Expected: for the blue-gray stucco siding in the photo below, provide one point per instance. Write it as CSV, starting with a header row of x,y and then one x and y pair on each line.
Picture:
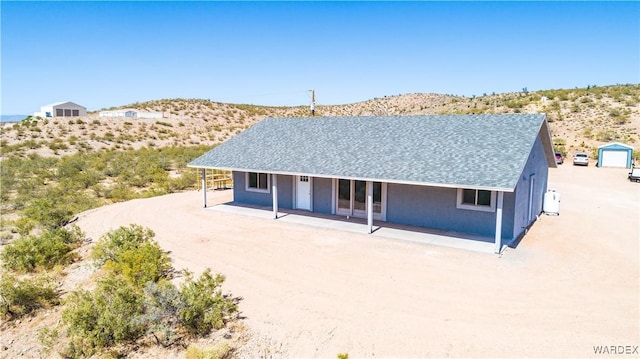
x,y
537,168
435,207
427,206
322,195
241,195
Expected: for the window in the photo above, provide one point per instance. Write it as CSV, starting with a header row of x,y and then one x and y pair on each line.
x,y
476,199
257,182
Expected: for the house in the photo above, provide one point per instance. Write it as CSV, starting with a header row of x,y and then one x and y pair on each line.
x,y
149,115
615,154
118,113
61,109
130,113
478,174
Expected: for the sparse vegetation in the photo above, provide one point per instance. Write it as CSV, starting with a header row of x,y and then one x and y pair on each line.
x,y
46,251
19,297
135,299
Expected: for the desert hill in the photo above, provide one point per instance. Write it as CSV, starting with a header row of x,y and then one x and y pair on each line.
x,y
581,119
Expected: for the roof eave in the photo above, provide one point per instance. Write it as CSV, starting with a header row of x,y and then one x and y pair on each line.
x,y
547,143
413,183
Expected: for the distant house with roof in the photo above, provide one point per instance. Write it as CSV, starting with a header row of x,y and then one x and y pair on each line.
x,y
484,175
61,109
117,113
131,113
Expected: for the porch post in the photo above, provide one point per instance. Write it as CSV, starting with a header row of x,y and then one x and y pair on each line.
x,y
370,207
498,238
203,174
274,191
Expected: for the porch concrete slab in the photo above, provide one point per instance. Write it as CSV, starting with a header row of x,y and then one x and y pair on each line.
x,y
446,239
382,230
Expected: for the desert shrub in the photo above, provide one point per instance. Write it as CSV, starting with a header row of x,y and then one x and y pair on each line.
x,y
559,145
21,297
48,212
186,180
120,193
118,240
146,263
132,253
206,308
57,144
24,226
197,308
102,317
619,116
220,351
607,135
5,237
163,123
162,305
121,310
50,249
48,338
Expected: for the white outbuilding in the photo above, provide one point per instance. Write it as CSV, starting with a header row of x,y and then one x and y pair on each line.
x,y
149,115
61,109
118,113
130,113
615,154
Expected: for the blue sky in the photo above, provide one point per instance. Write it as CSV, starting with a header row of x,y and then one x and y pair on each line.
x,y
103,54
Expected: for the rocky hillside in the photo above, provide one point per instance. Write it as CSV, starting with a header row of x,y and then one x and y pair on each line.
x,y
581,119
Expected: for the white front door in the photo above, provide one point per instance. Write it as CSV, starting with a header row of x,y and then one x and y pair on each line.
x,y
303,192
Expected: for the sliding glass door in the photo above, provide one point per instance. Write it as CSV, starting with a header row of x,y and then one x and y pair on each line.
x,y
352,198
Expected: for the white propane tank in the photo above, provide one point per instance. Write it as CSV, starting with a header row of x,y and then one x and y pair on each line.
x,y
551,203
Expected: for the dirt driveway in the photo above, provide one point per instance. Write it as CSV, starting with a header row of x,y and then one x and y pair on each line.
x,y
572,283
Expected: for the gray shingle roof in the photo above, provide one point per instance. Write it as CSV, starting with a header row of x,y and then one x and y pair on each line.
x,y
474,151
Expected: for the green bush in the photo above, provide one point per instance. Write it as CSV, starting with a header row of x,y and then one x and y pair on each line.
x,y
220,351
132,253
48,338
52,248
49,212
102,317
120,310
205,306
162,305
146,263
21,297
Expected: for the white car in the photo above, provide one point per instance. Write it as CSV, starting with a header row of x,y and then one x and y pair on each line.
x,y
581,159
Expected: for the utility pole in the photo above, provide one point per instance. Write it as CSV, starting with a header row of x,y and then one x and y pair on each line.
x,y
313,102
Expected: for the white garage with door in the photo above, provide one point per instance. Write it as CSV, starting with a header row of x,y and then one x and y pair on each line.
x,y
61,109
615,155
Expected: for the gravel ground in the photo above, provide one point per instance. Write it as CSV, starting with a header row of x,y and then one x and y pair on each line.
x,y
570,285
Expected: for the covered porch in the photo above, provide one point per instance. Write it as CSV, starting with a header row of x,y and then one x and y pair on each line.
x,y
366,222
380,230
